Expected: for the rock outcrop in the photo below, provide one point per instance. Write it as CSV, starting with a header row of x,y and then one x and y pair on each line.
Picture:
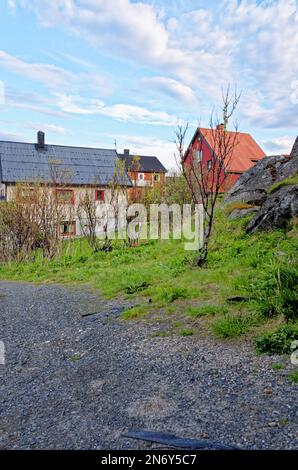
x,y
276,211
252,185
272,210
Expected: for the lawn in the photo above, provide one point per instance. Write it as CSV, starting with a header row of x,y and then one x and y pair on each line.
x,y
239,291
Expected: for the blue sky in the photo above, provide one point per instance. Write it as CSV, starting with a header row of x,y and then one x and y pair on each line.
x,y
89,72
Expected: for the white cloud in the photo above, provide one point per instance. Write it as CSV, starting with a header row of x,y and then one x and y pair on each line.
x,y
52,76
249,42
121,112
278,145
31,101
171,87
46,127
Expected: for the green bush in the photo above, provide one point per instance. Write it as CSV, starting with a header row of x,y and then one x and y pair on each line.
x,y
278,342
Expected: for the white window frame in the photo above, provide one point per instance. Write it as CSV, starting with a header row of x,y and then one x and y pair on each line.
x,y
141,176
199,155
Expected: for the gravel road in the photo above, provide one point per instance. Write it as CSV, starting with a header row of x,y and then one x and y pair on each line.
x,y
78,382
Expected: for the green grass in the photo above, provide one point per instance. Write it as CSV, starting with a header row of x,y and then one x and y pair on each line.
x,y
207,309
286,182
237,205
293,376
231,326
277,366
186,332
161,276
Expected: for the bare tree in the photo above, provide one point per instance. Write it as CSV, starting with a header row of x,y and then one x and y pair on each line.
x,y
88,218
207,180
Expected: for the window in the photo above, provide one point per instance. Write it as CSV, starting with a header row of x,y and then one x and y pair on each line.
x,y
209,164
199,155
68,229
140,176
99,195
65,196
156,177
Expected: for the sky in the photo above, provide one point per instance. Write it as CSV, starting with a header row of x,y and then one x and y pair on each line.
x,y
101,73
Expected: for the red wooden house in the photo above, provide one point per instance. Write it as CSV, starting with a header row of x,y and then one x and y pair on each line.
x,y
245,154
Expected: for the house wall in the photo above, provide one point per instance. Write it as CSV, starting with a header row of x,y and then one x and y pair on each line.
x,y
207,154
140,186
70,210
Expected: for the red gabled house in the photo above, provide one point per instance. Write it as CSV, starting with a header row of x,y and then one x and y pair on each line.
x,y
245,154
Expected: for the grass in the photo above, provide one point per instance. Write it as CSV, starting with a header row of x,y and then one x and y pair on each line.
x,y
277,366
286,182
160,276
237,205
293,376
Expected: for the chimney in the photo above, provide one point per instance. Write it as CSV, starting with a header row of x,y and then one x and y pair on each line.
x,y
126,152
40,140
220,126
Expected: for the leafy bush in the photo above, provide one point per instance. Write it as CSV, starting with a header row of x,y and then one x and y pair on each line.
x,y
278,342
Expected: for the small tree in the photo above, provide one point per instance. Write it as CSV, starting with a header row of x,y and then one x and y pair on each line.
x,y
207,182
88,218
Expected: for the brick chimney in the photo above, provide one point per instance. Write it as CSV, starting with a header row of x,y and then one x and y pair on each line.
x,y
220,127
40,140
126,152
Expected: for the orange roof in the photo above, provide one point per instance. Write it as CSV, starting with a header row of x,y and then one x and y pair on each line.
x,y
245,153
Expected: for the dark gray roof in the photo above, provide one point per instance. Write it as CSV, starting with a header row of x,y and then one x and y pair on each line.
x,y
23,162
146,164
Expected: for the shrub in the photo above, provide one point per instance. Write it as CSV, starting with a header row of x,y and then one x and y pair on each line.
x,y
278,342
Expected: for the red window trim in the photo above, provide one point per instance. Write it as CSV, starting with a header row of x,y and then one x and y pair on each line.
x,y
102,195
72,201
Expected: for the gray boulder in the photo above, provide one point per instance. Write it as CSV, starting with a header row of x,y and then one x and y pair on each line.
x,y
252,186
277,210
238,213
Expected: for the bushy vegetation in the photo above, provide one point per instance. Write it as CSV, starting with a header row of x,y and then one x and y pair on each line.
x,y
279,341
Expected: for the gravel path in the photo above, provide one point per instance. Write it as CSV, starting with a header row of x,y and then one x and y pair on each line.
x,y
74,382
